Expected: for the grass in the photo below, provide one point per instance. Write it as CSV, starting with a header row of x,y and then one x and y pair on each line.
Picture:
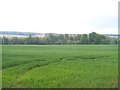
x,y
60,66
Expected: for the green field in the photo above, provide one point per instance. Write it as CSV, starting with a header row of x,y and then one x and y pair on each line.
x,y
60,66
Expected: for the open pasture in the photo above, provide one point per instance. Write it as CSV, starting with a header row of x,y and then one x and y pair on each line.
x,y
60,66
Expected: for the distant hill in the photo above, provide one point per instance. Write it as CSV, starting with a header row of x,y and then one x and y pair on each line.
x,y
112,34
34,34
18,33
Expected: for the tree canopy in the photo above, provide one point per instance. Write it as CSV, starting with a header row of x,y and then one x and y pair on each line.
x,y
91,38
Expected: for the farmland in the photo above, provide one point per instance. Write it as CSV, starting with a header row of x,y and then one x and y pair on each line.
x,y
60,66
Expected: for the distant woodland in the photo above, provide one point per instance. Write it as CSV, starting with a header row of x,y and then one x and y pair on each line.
x,y
59,39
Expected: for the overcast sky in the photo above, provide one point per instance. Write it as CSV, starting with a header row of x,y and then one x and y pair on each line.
x,y
59,16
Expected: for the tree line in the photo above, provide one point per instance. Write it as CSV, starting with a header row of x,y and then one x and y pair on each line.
x,y
91,38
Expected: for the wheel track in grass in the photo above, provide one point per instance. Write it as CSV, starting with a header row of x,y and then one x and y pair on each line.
x,y
58,60
36,64
76,58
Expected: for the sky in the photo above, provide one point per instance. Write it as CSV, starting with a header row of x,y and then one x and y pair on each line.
x,y
59,16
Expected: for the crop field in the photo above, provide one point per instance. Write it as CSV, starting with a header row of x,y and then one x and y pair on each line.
x,y
60,66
